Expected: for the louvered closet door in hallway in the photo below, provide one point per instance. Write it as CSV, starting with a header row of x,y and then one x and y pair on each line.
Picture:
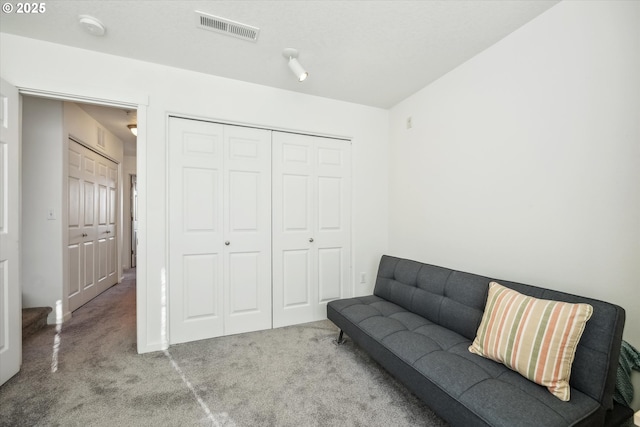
x,y
92,187
311,226
220,230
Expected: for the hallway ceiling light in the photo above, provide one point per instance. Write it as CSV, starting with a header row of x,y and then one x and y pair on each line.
x,y
297,69
133,129
91,25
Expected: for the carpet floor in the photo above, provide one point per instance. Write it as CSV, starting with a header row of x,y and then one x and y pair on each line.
x,y
87,373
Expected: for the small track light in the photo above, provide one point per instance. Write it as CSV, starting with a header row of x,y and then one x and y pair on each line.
x,y
297,69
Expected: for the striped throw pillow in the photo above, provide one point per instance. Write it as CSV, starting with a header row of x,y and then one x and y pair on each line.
x,y
534,337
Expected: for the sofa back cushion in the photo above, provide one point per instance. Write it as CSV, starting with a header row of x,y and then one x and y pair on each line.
x,y
456,300
449,298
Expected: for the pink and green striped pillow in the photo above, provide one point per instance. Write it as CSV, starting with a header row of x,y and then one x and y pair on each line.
x,y
534,337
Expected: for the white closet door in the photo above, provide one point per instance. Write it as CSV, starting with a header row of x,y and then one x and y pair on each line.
x,y
311,226
81,188
92,250
107,213
247,220
111,182
220,234
333,225
195,233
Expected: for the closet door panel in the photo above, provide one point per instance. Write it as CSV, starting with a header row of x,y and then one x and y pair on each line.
x,y
294,272
333,232
295,203
89,265
329,274
297,280
244,283
75,268
244,212
201,287
195,280
102,259
76,219
330,203
247,221
201,208
112,263
89,203
311,217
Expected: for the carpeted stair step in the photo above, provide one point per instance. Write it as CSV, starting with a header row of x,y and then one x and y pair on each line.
x,y
34,319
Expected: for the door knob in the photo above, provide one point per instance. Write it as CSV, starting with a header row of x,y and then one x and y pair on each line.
x,y
311,239
227,243
84,234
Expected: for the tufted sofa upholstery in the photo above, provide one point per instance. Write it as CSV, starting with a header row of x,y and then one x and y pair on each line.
x,y
420,321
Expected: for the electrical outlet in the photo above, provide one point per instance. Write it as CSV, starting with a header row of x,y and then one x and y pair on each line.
x,y
51,215
363,277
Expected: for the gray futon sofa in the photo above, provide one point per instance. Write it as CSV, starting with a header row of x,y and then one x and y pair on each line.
x,y
419,324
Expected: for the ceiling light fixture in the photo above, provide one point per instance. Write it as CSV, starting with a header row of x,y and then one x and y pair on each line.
x,y
133,129
297,69
91,25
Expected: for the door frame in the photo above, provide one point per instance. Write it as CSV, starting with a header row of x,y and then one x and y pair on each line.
x,y
139,103
133,220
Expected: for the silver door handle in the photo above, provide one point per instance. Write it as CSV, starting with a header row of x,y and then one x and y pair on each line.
x,y
311,239
227,243
84,234
108,231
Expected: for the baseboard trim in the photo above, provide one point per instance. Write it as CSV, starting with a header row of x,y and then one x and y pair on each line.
x,y
150,348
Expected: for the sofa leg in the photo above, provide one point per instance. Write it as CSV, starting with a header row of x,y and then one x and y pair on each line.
x,y
340,339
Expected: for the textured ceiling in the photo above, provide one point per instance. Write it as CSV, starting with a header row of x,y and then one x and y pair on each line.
x,y
374,53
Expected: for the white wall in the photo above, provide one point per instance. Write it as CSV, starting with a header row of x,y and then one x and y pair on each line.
x,y
168,90
83,128
524,162
42,177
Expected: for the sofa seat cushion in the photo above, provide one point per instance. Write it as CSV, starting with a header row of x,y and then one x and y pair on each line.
x,y
494,393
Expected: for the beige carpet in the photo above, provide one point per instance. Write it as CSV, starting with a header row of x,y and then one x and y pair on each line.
x,y
89,374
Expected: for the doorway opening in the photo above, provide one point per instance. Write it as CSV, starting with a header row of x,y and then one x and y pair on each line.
x,y
76,165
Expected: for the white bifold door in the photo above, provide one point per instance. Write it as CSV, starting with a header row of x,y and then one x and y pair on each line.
x,y
311,226
220,229
92,187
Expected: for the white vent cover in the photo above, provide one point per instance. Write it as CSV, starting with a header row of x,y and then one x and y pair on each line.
x,y
226,26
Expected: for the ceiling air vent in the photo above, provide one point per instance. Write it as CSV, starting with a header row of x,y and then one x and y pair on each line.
x,y
226,26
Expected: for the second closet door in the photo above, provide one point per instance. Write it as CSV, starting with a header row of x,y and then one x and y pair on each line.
x,y
92,187
311,226
220,230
